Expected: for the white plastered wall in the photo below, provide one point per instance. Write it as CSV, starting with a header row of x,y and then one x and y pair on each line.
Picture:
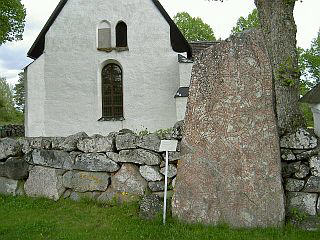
x,y
72,101
185,77
34,114
316,117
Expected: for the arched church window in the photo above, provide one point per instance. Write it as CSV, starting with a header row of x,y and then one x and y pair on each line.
x,y
104,35
112,94
121,35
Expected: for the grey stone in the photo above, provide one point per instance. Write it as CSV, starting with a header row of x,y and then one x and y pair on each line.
x,y
14,168
315,165
177,130
172,156
129,180
28,144
96,144
303,202
45,182
301,139
86,181
318,205
78,196
113,156
230,157
150,206
156,186
302,172
10,186
287,155
140,156
303,155
150,173
51,158
126,141
172,170
67,193
9,148
289,169
68,143
150,142
294,185
312,185
95,162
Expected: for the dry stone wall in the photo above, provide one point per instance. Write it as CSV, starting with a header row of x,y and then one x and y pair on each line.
x,y
121,166
11,131
114,167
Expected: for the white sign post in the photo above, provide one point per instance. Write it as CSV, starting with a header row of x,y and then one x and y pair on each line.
x,y
167,146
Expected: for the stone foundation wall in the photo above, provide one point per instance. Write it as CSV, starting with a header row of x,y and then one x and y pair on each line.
x,y
11,131
123,166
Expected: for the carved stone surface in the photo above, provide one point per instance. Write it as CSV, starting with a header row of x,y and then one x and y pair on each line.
x,y
230,158
96,144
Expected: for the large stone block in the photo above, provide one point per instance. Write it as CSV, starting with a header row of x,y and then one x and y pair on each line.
x,y
140,156
28,144
95,162
45,182
51,158
86,181
14,168
129,180
9,147
96,144
303,202
127,140
150,173
150,142
68,143
230,158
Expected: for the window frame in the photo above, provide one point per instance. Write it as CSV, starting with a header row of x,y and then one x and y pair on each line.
x,y
112,114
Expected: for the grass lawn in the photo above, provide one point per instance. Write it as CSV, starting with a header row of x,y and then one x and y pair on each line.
x,y
26,218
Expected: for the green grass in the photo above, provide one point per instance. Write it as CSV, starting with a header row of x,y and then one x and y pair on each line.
x,y
26,218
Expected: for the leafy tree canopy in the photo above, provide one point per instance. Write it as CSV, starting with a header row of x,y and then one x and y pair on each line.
x,y
19,93
12,20
251,21
310,61
193,29
8,113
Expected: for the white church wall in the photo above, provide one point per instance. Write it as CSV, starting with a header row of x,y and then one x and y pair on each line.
x,y
185,74
73,65
181,104
34,115
316,117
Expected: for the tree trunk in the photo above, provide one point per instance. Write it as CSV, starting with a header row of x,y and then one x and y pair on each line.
x,y
279,29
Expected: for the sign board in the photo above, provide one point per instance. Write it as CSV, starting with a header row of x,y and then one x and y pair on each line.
x,y
168,145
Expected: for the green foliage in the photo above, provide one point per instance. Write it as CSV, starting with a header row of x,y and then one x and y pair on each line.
x,y
193,29
251,21
40,219
307,113
309,61
163,133
8,113
19,93
12,20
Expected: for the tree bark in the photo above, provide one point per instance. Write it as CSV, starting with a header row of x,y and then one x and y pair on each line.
x,y
279,29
